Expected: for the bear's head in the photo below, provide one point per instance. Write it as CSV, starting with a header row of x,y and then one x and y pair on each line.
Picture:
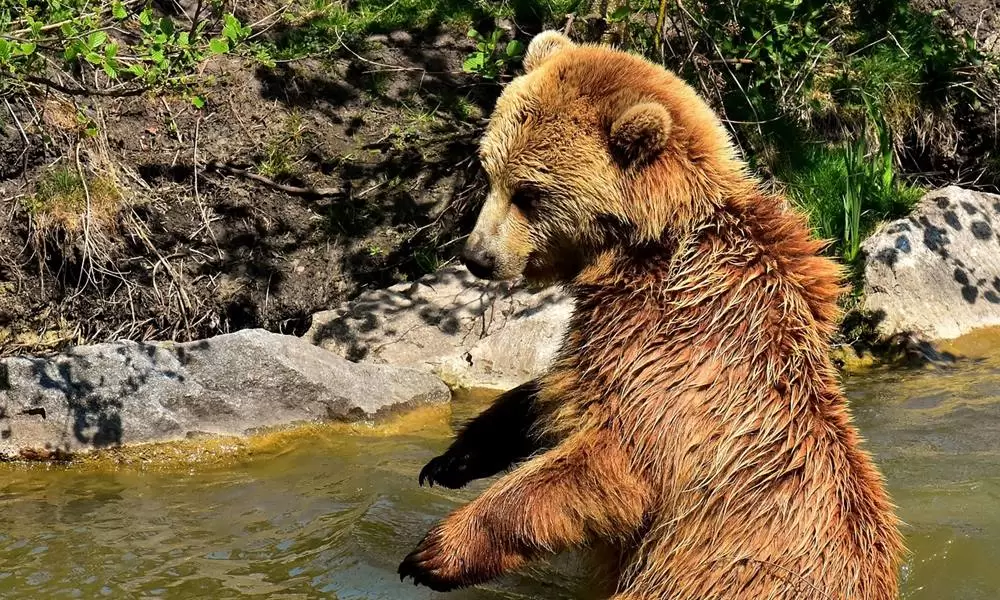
x,y
593,148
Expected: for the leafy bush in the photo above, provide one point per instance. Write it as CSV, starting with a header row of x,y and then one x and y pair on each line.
x,y
848,188
124,46
488,60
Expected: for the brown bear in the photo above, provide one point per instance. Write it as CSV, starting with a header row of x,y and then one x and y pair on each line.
x,y
692,421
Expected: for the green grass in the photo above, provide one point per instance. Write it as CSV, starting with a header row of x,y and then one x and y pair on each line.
x,y
62,198
847,192
318,27
277,162
888,80
59,185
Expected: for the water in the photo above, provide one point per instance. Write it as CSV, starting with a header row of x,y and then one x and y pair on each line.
x,y
329,512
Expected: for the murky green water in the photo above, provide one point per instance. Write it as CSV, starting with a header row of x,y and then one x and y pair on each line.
x,y
329,514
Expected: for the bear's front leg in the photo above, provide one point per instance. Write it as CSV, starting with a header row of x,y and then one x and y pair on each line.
x,y
493,441
461,551
581,489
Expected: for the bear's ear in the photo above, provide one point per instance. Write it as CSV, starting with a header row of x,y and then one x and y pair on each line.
x,y
640,134
543,46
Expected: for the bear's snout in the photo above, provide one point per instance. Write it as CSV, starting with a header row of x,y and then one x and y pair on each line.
x,y
478,260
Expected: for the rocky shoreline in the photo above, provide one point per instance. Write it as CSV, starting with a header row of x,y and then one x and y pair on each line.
x,y
934,275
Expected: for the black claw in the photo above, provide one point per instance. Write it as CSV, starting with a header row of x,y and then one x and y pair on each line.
x,y
448,470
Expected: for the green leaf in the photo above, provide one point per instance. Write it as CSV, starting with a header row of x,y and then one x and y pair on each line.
x,y
96,40
473,34
265,57
93,57
515,48
474,63
118,10
620,14
26,48
167,27
198,101
71,51
138,69
183,39
146,17
110,68
219,46
233,29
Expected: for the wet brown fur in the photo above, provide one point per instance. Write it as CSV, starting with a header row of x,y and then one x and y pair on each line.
x,y
693,420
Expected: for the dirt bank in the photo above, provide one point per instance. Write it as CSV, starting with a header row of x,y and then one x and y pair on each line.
x,y
376,145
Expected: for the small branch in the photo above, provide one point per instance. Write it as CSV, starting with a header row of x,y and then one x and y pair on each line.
x,y
194,20
288,189
173,121
86,224
197,196
24,136
569,24
268,19
661,19
85,91
389,68
731,61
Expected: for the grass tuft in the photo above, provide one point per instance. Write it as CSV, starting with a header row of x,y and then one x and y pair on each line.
x,y
62,198
846,192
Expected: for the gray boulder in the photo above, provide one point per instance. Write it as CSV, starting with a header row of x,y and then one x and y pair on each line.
x,y
936,273
469,332
126,392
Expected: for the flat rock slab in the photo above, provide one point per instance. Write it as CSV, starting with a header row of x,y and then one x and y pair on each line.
x,y
125,393
469,332
936,273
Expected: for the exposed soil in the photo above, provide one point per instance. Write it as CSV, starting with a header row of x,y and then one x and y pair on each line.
x,y
978,18
387,131
963,149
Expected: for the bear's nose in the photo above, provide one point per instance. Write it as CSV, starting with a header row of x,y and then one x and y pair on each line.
x,y
478,261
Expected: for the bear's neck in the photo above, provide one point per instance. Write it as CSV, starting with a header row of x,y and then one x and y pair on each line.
x,y
752,246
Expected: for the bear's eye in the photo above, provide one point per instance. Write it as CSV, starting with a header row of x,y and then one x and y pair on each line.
x,y
526,198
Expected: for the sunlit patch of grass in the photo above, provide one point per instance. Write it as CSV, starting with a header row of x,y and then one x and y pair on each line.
x,y
846,191
277,162
64,201
888,81
318,27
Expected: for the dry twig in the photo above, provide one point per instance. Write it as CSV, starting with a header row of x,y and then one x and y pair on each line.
x,y
281,187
